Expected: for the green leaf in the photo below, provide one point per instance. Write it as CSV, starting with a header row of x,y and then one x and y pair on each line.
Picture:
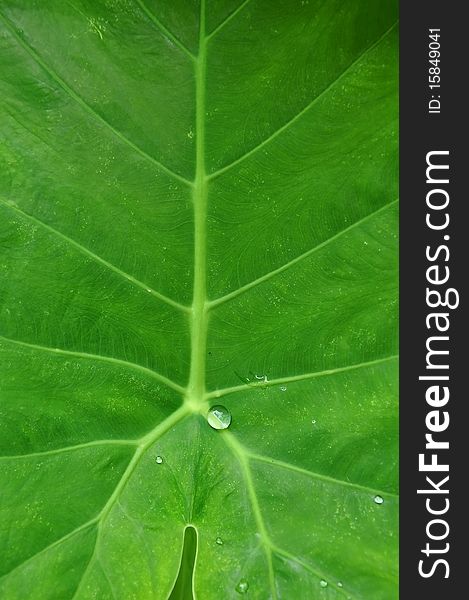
x,y
198,207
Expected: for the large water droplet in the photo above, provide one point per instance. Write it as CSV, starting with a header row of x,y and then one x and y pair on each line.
x,y
219,541
323,583
242,587
159,459
219,417
378,500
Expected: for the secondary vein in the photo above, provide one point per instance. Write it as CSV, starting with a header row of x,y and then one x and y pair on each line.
x,y
56,451
243,459
145,443
304,110
94,256
100,357
227,19
313,570
289,467
165,31
300,377
297,259
71,92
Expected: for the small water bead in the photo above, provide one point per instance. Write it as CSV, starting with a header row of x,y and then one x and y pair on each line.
x,y
340,584
159,459
323,583
219,541
313,421
283,388
242,587
378,500
219,417
260,377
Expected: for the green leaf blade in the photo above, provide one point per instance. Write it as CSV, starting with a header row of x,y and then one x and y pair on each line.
x,y
199,207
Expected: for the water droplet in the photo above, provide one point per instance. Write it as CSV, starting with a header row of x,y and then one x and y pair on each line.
x,y
378,500
260,377
313,421
242,587
159,459
323,583
283,388
340,584
219,417
219,541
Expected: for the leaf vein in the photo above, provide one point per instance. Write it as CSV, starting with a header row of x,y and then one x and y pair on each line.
x,y
242,457
227,19
300,377
312,570
146,442
303,110
56,451
87,107
100,357
164,30
326,478
94,256
50,546
297,259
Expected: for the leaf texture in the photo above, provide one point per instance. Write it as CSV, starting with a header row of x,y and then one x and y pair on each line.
x,y
198,206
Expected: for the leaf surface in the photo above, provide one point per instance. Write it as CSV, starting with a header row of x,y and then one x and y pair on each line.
x,y
198,206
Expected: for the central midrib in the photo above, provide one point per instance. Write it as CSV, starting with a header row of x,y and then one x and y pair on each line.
x,y
199,310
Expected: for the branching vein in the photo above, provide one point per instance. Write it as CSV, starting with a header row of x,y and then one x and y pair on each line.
x,y
55,451
195,393
145,443
163,29
304,110
289,467
93,256
301,377
294,261
240,454
227,19
87,107
314,571
100,357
